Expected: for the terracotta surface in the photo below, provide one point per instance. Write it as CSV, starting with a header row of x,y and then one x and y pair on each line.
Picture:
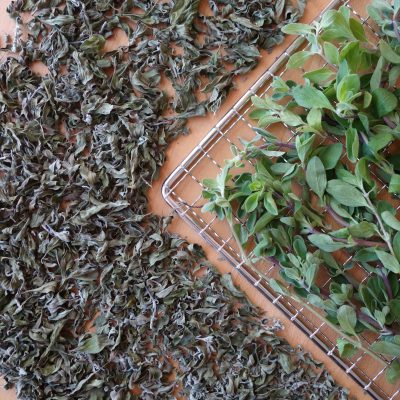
x,y
176,153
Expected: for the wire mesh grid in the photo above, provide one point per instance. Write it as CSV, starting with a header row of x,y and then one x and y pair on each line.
x,y
182,191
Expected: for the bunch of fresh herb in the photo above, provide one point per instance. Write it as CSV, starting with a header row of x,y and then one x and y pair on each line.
x,y
320,198
97,300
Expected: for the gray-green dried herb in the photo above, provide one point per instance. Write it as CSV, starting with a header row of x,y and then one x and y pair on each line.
x,y
97,300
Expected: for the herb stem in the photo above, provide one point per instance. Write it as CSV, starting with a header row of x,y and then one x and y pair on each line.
x,y
336,217
383,232
386,283
362,242
277,144
358,242
389,123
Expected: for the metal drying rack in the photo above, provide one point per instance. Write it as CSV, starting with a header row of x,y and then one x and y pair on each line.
x,y
182,191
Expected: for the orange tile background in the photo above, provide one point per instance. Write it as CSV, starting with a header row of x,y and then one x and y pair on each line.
x,y
176,153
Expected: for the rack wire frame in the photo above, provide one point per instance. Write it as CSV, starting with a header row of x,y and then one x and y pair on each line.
x,y
182,191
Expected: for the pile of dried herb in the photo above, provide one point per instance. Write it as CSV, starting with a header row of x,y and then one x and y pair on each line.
x,y
325,206
97,300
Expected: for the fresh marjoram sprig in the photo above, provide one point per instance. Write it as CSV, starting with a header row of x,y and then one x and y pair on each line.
x,y
322,198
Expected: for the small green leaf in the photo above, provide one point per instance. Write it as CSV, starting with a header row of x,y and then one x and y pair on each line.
x,y
393,372
388,52
316,300
260,248
314,119
394,185
325,242
297,60
347,319
352,144
278,287
376,77
241,233
330,155
259,102
394,75
263,221
290,118
389,261
208,207
386,347
347,87
396,245
366,104
362,171
346,194
300,247
310,97
379,141
391,220
346,349
266,103
362,230
319,76
357,29
269,203
272,153
297,29
331,53
383,102
316,176
304,145
251,202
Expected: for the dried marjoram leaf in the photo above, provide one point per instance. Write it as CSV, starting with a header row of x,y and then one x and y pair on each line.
x,y
97,300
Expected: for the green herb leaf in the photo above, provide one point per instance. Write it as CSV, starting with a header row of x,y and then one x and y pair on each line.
x,y
347,87
325,242
394,185
347,319
391,220
362,229
297,29
386,347
393,372
263,221
346,194
269,203
346,349
388,52
304,145
297,60
310,97
376,77
251,202
396,245
388,261
319,76
357,29
330,155
383,102
314,119
352,144
316,176
331,53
